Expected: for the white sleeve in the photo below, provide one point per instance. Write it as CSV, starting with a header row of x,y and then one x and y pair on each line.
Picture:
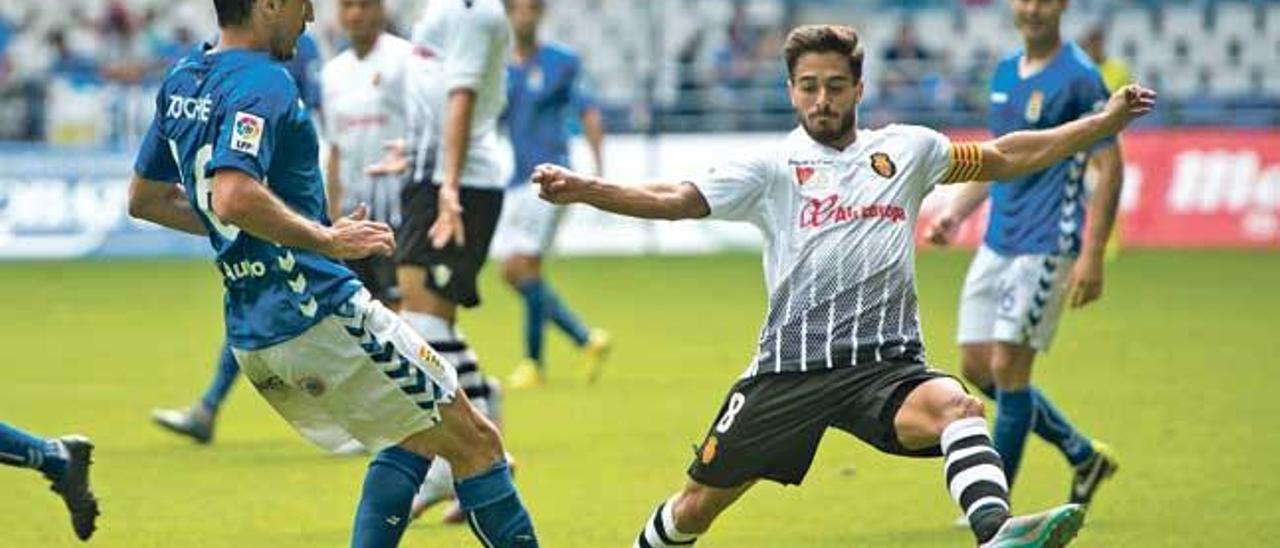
x,y
932,156
735,188
469,47
327,95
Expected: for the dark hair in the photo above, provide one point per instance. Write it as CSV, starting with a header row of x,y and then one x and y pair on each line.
x,y
542,5
840,39
233,12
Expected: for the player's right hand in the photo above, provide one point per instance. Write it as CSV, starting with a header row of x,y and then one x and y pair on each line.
x,y
354,237
558,184
942,231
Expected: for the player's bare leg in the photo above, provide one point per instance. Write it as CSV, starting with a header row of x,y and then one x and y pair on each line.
x,y
939,412
679,520
523,273
468,440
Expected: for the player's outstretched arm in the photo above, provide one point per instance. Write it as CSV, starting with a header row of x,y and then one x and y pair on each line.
x,y
1022,153
164,204
244,202
670,201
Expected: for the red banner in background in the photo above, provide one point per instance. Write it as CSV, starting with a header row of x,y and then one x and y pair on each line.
x,y
1183,188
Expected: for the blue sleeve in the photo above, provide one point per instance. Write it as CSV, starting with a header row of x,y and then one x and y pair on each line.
x,y
581,97
1091,95
155,160
247,131
305,70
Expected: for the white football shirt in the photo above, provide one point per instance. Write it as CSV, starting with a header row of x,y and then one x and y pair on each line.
x,y
839,241
364,106
463,44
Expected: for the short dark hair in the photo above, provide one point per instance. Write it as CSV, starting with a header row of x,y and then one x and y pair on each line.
x,y
233,12
840,39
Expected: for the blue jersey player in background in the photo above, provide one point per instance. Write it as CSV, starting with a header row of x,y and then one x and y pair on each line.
x,y
197,422
233,153
1037,254
544,89
64,461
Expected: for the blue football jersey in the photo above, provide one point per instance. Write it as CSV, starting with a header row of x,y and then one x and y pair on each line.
x,y
1043,212
304,67
238,109
542,94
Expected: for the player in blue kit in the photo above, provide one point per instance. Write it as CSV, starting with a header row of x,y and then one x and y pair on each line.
x,y
233,153
544,87
197,422
64,461
1036,254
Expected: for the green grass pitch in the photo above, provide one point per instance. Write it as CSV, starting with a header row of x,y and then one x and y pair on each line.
x,y
1177,368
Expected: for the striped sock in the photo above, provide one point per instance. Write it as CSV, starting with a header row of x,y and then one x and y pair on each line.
x,y
661,531
975,476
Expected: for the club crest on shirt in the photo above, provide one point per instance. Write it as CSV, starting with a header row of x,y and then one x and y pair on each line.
x,y
1035,104
535,81
883,165
377,78
246,134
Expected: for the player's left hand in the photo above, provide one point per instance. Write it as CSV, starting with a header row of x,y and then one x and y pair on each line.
x,y
448,227
1086,282
1128,103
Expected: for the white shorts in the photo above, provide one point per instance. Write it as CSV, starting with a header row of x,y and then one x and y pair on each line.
x,y
1015,299
528,223
360,374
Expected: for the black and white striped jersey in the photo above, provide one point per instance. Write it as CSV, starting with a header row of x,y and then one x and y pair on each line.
x,y
839,241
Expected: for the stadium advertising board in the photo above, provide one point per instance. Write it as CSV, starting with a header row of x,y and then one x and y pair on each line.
x,y
1184,188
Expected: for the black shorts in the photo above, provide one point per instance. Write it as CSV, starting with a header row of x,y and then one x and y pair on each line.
x,y
770,425
452,271
378,274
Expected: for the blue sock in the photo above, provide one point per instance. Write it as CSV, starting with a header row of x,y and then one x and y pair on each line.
x,y
534,315
1014,413
18,448
393,477
223,379
563,317
1053,426
493,509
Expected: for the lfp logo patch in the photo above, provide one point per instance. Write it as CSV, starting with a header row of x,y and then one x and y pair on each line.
x,y
246,135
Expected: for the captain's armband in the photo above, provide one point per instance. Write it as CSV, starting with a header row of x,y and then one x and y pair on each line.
x,y
966,162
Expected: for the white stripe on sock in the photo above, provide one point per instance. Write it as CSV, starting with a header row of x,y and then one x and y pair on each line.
x,y
970,476
955,457
962,429
984,501
669,523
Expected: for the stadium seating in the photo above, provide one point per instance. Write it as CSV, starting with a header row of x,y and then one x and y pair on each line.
x,y
1211,56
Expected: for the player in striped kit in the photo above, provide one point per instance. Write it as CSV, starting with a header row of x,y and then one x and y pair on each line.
x,y
841,344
